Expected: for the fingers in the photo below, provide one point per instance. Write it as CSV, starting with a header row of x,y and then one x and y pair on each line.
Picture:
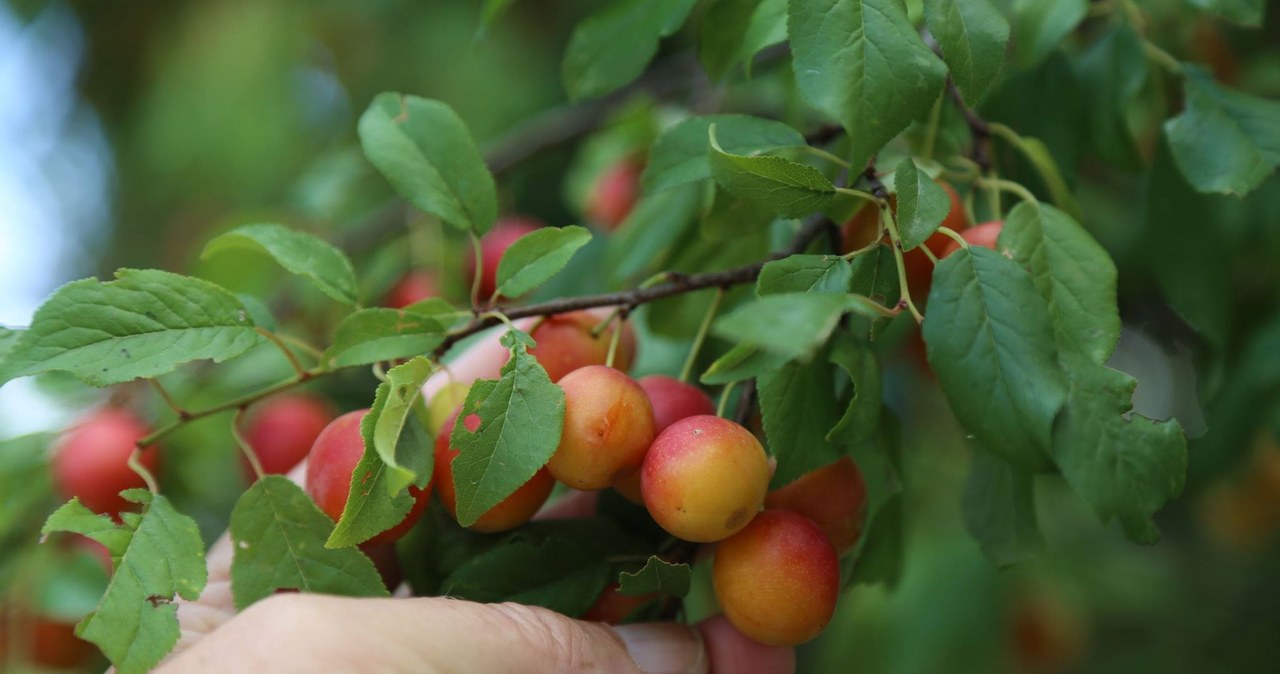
x,y
732,652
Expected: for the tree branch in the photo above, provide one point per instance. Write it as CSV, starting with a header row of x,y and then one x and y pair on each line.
x,y
980,152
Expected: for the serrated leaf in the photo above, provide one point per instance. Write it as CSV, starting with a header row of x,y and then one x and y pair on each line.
x,y
1243,12
798,407
521,417
861,417
158,556
743,361
805,273
326,267
400,427
145,323
862,62
426,152
680,156
733,31
808,318
1072,272
657,576
790,189
1125,465
1224,141
1113,71
372,507
382,334
922,204
537,256
612,47
279,536
973,35
1039,26
990,340
1000,510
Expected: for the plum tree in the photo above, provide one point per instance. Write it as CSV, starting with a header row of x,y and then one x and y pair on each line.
x,y
833,496
513,511
672,401
565,343
984,235
493,245
281,430
778,579
91,461
608,426
683,479
414,286
614,194
330,466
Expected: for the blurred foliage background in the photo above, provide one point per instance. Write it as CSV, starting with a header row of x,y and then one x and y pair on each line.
x,y
132,132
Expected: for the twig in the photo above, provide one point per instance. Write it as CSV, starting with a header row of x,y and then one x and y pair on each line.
x,y
980,152
745,400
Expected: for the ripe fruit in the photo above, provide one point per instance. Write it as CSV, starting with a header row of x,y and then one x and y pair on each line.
x,y
414,286
91,461
614,194
608,426
282,429
330,465
41,641
778,579
613,607
984,235
672,401
565,344
704,478
513,511
492,246
833,496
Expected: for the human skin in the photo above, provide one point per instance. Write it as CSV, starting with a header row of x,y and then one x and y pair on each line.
x,y
90,462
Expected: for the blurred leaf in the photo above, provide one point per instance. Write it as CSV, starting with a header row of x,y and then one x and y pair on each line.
x,y
1243,12
26,486
861,417
805,273
537,256
990,341
733,31
1074,275
809,319
1000,510
145,323
425,151
657,576
521,416
158,556
680,155
1042,161
798,407
372,506
743,361
730,217
973,35
785,187
493,10
649,237
1224,141
1113,71
612,47
8,338
259,313
381,334
325,266
400,427
922,204
862,62
279,536
1039,26
880,560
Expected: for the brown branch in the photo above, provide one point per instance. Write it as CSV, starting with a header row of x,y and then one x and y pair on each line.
x,y
745,399
980,152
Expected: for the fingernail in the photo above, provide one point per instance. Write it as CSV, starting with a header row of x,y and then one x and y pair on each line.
x,y
665,648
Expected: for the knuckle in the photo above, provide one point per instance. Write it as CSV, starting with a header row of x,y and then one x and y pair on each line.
x,y
569,645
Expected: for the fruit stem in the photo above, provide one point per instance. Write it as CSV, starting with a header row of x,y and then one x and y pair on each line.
x,y
617,336
819,152
249,454
242,401
135,464
692,358
475,278
723,405
996,185
168,399
886,216
293,359
955,236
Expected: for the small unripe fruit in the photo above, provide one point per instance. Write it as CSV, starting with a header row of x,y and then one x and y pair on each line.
x,y
833,496
492,246
565,343
778,579
332,462
614,194
984,235
91,462
704,478
513,511
444,403
608,426
413,287
282,429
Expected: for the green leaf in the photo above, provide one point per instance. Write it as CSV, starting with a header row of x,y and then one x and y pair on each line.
x,y
158,556
881,559
372,506
680,156
612,47
279,536
861,417
1243,12
400,427
1224,141
650,236
493,10
1041,159
922,204
798,407
1113,71
143,324
788,324
862,62
972,35
990,341
426,152
8,339
537,256
521,417
743,361
657,576
733,31
787,188
299,253
729,218
875,275
26,485
381,334
1000,511
805,273
1039,26
1072,272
